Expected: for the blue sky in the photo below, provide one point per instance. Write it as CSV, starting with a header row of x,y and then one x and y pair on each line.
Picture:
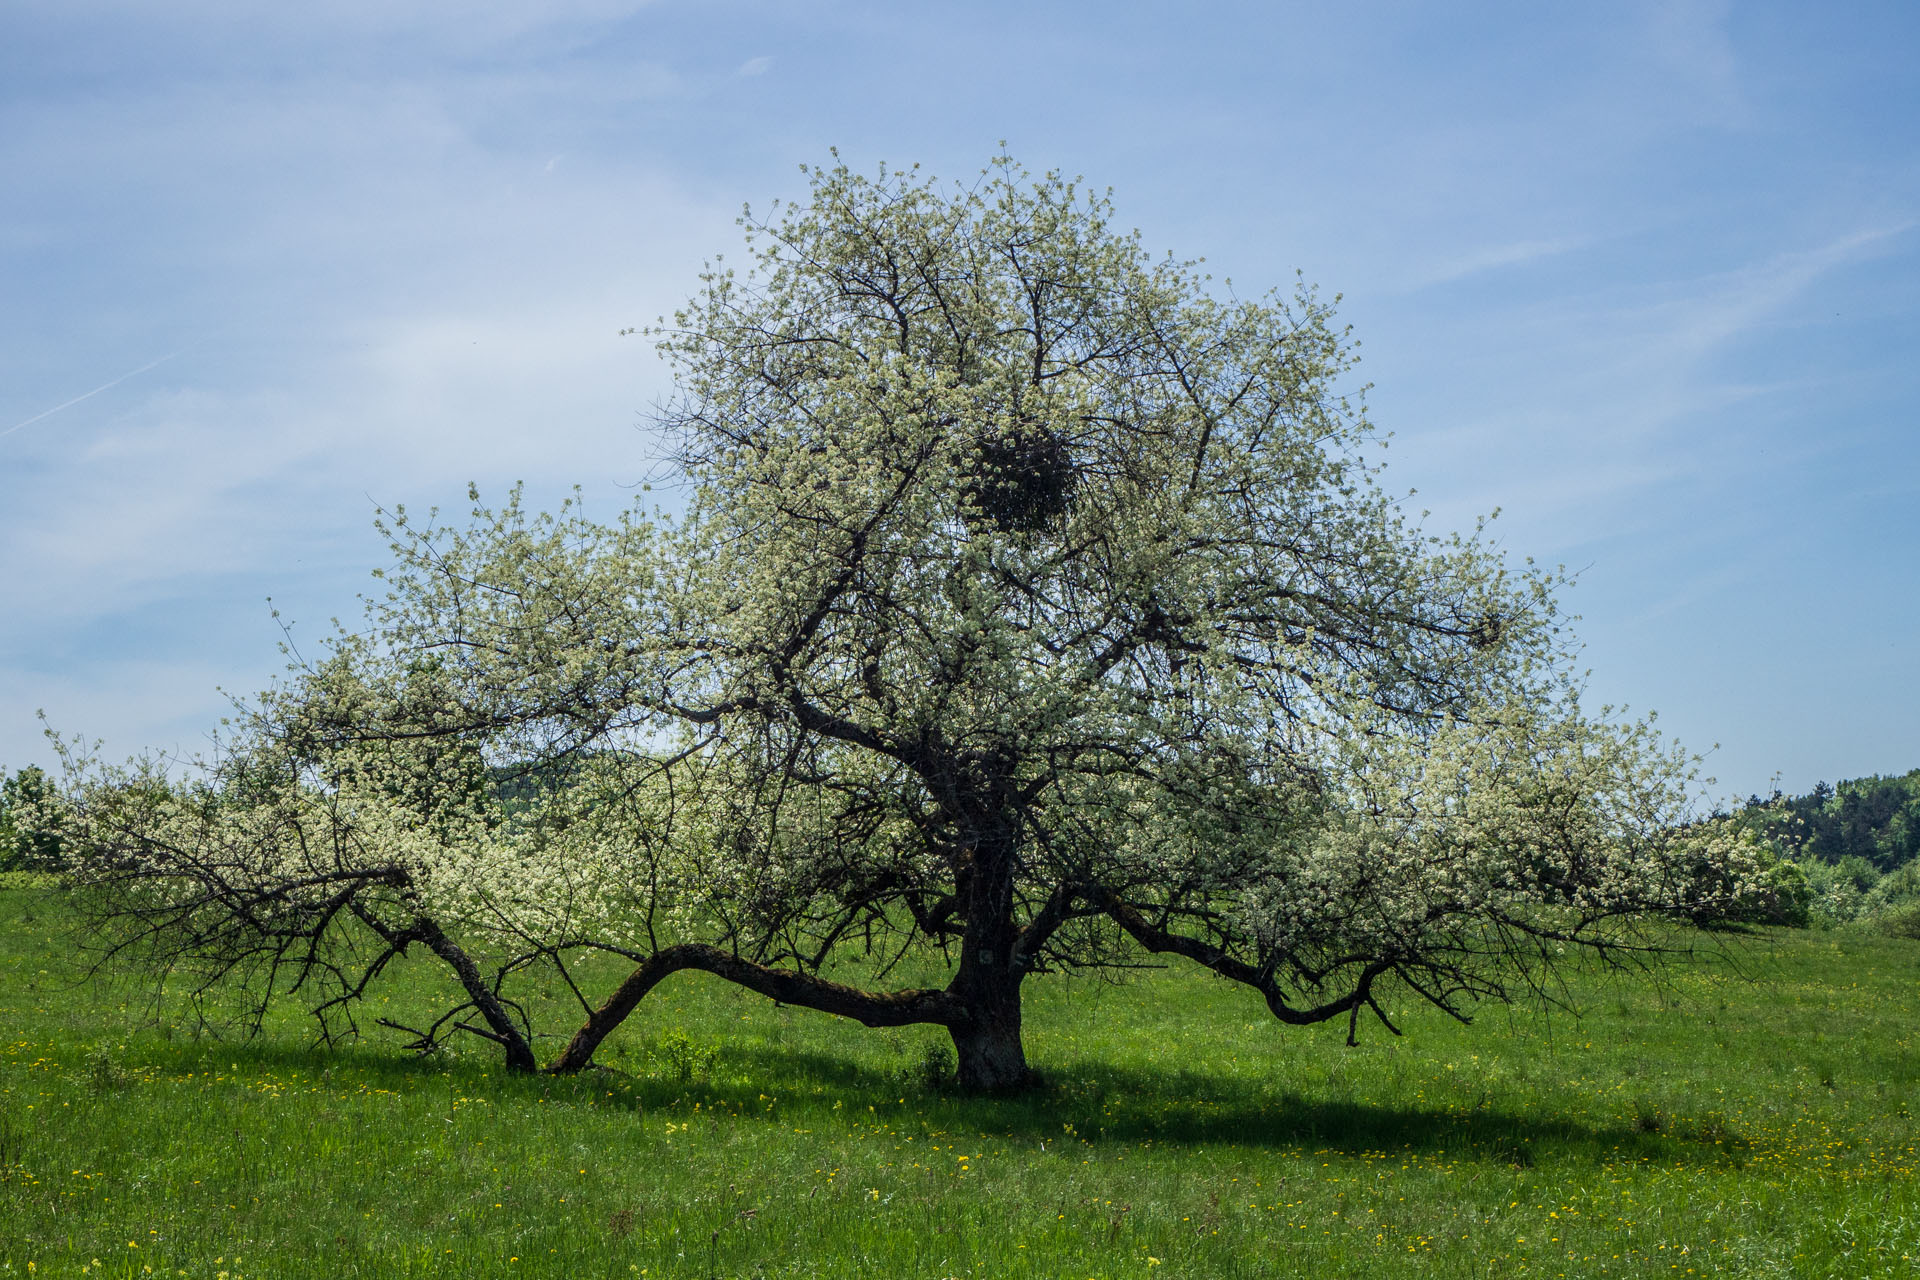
x,y
1645,277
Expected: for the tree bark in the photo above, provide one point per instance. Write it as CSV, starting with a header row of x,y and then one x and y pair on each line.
x,y
504,1033
990,1057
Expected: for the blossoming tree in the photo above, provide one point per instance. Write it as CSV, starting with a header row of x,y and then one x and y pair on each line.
x,y
1032,605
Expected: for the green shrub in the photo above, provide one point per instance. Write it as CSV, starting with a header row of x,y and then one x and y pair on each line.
x,y
1785,896
678,1056
32,823
1900,922
932,1070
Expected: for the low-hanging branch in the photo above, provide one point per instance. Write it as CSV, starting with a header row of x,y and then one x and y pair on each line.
x,y
788,986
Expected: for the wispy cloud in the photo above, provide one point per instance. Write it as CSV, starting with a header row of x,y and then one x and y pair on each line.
x,y
88,395
754,67
1738,301
1583,414
1494,257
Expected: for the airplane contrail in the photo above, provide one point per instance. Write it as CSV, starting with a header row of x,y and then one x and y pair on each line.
x,y
105,386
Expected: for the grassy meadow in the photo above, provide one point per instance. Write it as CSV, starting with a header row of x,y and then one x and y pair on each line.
x,y
1756,1122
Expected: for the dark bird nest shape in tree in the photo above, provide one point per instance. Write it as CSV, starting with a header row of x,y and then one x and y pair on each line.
x,y
1024,480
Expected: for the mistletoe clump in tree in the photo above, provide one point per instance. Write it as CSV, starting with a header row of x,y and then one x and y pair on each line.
x,y
1033,604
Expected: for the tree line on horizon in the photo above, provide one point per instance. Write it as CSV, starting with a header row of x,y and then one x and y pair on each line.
x,y
1850,851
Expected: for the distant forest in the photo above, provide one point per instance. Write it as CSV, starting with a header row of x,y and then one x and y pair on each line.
x,y
1854,850
1874,819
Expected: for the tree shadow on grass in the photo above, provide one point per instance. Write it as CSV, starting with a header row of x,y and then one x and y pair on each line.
x,y
1102,1103
1132,1106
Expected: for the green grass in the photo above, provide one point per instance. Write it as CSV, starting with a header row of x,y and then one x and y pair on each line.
x,y
1713,1125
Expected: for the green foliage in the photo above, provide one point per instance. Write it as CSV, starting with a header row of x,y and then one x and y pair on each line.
x,y
102,1072
1901,921
1854,849
1875,820
1784,895
679,1056
33,822
932,1071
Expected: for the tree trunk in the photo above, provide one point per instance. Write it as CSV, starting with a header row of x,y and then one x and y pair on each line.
x,y
991,1058
986,1041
